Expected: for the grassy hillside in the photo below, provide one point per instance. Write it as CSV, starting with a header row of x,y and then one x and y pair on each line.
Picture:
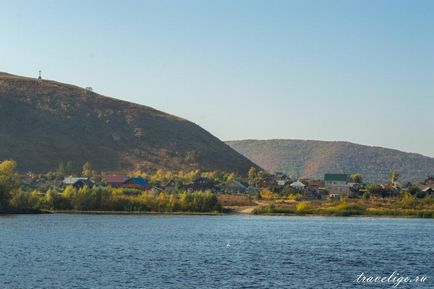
x,y
44,122
307,158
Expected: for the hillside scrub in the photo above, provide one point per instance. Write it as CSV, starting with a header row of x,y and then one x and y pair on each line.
x,y
120,135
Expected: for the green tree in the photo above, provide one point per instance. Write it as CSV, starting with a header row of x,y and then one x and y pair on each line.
x,y
303,207
270,208
230,177
72,168
193,175
25,200
87,171
376,190
356,178
69,192
408,201
51,198
393,177
9,182
84,199
252,175
61,169
365,196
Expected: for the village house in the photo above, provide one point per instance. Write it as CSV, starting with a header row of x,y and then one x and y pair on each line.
x,y
170,186
78,183
267,182
396,185
252,190
235,187
337,184
428,190
116,181
33,182
297,185
135,183
313,185
281,178
429,180
201,184
127,182
156,189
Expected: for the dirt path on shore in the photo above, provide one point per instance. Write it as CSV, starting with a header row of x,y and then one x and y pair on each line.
x,y
244,210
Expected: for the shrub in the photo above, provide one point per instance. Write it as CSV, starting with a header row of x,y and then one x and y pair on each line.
x,y
408,201
24,200
267,194
366,196
304,207
294,197
344,209
270,208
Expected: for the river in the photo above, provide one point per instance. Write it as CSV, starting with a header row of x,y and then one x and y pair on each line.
x,y
230,251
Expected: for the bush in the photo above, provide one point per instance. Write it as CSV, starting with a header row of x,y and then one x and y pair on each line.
x,y
304,207
24,200
108,199
270,208
408,201
344,209
294,197
366,196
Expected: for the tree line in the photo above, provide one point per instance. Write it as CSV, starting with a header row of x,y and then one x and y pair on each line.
x,y
98,198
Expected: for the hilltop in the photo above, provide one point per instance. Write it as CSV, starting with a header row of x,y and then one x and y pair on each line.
x,y
310,158
44,122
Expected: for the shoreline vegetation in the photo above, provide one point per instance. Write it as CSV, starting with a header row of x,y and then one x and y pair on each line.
x,y
337,208
325,208
258,211
230,204
103,199
349,210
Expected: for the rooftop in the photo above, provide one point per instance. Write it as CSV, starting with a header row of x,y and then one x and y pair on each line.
x,y
336,177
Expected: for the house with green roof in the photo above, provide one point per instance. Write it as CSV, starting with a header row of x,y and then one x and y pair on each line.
x,y
337,184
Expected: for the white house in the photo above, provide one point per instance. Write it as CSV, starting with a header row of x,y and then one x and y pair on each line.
x,y
297,185
337,184
281,178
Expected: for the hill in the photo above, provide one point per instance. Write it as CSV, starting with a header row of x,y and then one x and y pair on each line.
x,y
309,158
45,122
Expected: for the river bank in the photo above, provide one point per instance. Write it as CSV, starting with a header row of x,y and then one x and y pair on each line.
x,y
81,212
374,207
260,208
345,211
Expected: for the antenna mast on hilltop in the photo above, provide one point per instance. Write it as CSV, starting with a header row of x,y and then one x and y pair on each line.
x,y
40,76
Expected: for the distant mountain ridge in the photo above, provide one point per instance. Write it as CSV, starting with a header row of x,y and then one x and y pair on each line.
x,y
312,159
44,122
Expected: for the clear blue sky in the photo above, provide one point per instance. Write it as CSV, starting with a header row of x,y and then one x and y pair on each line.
x,y
360,71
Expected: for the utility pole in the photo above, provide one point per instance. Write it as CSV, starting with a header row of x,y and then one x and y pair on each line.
x,y
40,76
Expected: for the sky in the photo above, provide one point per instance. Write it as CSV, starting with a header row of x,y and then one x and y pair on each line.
x,y
358,71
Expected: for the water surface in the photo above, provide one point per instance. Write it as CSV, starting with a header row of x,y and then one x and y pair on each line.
x,y
91,251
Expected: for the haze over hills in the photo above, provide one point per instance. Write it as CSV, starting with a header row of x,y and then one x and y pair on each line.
x,y
312,159
45,122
